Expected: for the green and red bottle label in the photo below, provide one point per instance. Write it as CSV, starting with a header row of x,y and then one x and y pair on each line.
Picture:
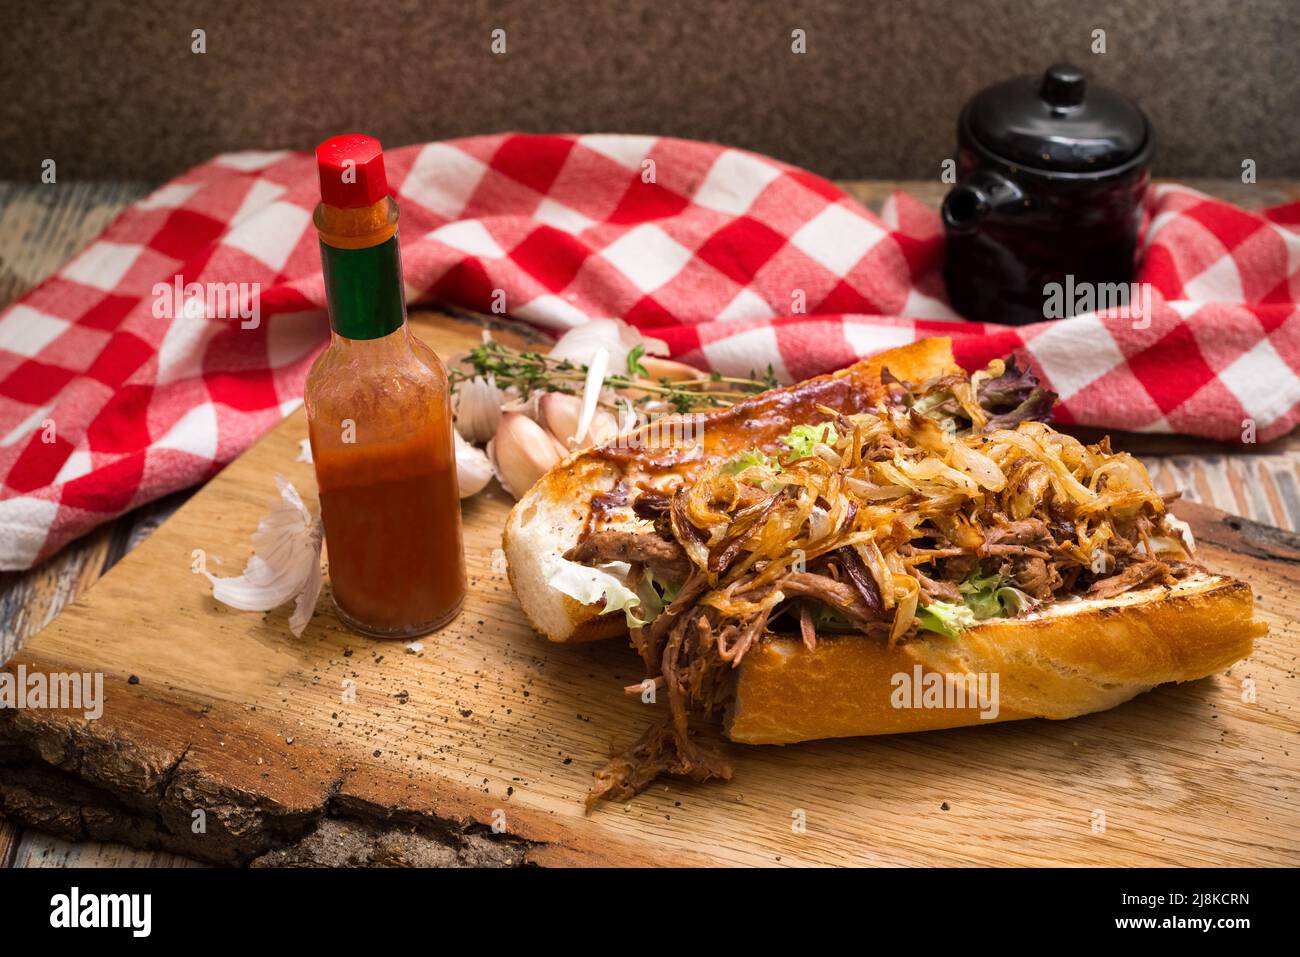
x,y
364,289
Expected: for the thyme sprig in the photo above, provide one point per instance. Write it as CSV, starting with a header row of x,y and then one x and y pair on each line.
x,y
531,372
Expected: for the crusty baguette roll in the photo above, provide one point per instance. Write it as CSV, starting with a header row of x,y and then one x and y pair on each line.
x,y
549,518
1067,658
1073,658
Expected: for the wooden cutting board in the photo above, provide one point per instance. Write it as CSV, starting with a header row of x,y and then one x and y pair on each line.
x,y
224,719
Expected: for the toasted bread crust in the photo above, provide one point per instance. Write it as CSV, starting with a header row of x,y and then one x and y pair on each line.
x,y
550,516
1076,659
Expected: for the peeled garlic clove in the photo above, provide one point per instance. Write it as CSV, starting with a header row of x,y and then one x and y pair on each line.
x,y
560,413
473,468
522,452
668,369
478,408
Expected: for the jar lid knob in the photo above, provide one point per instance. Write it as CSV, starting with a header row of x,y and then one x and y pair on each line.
x,y
1063,86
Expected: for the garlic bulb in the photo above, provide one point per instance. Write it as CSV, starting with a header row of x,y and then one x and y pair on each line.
x,y
473,468
521,452
284,566
615,336
478,408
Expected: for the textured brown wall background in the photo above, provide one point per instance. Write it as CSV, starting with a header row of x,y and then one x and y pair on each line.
x,y
111,89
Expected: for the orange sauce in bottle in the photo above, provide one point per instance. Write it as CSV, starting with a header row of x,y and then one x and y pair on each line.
x,y
379,417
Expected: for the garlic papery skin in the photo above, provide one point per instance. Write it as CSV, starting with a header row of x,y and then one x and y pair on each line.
x,y
591,392
522,452
478,408
285,563
473,468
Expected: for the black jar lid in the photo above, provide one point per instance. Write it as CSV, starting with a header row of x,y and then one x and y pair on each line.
x,y
1058,123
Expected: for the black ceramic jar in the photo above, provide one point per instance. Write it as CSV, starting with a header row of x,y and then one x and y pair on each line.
x,y
1052,173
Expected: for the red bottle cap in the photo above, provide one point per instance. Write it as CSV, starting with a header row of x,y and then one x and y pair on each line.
x,y
351,170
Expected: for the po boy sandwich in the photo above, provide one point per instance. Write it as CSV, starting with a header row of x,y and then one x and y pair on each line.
x,y
851,555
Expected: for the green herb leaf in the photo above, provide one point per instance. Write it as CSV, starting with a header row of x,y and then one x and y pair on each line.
x,y
634,366
529,371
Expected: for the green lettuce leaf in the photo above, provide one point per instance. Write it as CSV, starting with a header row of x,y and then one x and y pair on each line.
x,y
589,585
945,618
981,595
1016,602
656,594
803,438
769,470
666,588
987,597
750,459
826,618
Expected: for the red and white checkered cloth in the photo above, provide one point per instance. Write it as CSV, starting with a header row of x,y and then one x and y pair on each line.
x,y
735,259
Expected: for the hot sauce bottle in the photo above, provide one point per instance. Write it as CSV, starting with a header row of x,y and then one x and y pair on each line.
x,y
379,415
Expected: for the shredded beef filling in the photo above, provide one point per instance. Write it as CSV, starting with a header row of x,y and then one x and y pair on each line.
x,y
662,555
1135,576
941,499
656,752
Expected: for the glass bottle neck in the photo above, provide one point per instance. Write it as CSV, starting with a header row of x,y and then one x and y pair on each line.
x,y
363,269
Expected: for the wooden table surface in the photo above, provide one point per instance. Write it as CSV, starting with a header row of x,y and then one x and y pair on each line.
x,y
43,226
